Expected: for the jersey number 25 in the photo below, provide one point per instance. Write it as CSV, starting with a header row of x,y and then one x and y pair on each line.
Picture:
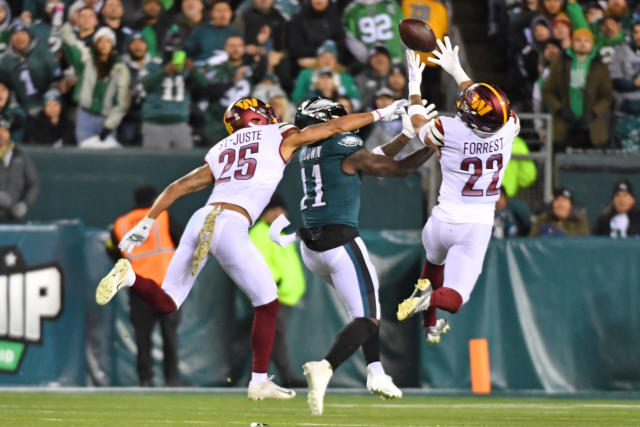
x,y
246,166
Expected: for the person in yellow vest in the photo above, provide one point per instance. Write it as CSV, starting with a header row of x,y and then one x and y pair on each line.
x,y
151,259
434,13
286,269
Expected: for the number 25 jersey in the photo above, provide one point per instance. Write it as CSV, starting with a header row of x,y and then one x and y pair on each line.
x,y
472,169
247,167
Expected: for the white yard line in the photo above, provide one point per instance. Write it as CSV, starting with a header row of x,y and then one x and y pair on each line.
x,y
486,405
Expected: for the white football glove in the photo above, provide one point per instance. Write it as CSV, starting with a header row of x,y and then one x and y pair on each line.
x,y
391,112
448,59
137,235
415,67
407,127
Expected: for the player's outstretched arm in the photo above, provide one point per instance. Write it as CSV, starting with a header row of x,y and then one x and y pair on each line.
x,y
195,180
377,165
343,124
447,58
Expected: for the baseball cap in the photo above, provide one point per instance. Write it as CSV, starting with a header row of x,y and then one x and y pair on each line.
x,y
379,48
622,185
563,192
52,94
328,46
385,91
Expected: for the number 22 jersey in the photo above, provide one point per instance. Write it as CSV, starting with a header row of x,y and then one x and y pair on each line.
x,y
247,166
472,169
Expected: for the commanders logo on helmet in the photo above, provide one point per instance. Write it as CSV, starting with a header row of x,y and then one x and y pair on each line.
x,y
247,112
318,110
484,108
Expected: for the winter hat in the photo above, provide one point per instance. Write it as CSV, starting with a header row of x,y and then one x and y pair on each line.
x,y
581,32
563,192
622,185
327,46
104,32
561,19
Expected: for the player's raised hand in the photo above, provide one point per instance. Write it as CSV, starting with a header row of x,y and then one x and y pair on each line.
x,y
390,112
448,59
137,235
415,67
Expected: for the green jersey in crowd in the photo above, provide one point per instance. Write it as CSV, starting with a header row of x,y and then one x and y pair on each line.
x,y
377,22
331,196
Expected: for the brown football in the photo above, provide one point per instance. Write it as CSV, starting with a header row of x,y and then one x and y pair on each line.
x,y
417,35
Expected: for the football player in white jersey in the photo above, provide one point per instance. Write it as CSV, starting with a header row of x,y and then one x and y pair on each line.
x,y
474,148
245,169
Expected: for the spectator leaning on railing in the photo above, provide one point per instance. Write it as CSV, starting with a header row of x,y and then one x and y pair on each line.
x,y
560,220
622,217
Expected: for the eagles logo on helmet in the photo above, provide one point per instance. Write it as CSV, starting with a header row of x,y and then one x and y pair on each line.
x,y
318,110
247,112
484,108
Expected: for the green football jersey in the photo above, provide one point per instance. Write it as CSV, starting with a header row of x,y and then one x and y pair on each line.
x,y
331,196
376,22
167,95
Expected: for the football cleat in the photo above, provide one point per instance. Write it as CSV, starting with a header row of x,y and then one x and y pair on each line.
x,y
432,333
318,375
383,386
418,301
119,277
269,390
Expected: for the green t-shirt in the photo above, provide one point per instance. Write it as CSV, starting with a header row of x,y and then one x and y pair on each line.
x,y
331,196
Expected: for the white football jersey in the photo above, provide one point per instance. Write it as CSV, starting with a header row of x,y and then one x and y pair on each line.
x,y
472,168
247,167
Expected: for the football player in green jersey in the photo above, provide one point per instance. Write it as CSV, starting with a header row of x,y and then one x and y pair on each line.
x,y
331,246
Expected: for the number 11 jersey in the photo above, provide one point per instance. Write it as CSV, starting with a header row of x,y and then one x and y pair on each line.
x,y
472,169
247,166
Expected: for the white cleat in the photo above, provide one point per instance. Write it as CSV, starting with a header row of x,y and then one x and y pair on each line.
x,y
117,279
432,333
318,375
383,386
269,390
417,302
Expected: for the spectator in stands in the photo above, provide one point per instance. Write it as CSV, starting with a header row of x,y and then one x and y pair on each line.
x,y
561,220
561,30
28,69
622,217
528,60
12,112
520,173
5,22
102,89
154,25
18,178
232,80
519,36
380,133
578,92
327,80
286,269
136,58
207,41
86,24
152,259
371,22
552,51
512,217
269,88
625,73
593,12
167,83
434,13
51,127
346,103
550,8
317,22
46,29
375,76
397,82
112,13
190,16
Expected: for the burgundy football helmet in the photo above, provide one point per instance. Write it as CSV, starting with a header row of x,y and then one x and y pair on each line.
x,y
247,112
484,108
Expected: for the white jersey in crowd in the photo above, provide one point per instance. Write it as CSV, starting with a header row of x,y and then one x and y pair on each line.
x,y
247,167
472,169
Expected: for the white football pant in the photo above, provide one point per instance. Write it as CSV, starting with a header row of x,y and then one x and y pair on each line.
x,y
461,247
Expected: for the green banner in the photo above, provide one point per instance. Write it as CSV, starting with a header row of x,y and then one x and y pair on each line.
x,y
10,355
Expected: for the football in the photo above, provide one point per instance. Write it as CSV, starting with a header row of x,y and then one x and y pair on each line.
x,y
417,35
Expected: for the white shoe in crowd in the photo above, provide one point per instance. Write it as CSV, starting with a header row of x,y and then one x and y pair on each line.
x,y
318,375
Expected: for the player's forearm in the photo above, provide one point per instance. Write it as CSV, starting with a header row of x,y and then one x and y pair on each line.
x,y
170,194
416,159
465,84
393,147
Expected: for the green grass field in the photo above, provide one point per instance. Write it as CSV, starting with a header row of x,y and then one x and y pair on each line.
x,y
67,409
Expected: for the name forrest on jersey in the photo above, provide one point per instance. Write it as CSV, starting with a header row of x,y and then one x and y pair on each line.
x,y
483,147
309,153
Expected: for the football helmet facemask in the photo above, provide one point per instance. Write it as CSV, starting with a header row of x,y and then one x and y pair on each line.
x,y
247,112
483,107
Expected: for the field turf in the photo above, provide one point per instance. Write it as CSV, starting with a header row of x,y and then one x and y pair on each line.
x,y
67,409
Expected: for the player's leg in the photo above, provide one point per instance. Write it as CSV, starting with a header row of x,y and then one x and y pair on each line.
x,y
246,266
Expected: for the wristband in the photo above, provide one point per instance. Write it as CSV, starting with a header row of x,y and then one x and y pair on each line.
x,y
414,89
378,150
147,222
417,109
377,115
460,76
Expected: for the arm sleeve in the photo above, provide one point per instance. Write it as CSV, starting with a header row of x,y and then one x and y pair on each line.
x,y
32,181
551,90
576,16
122,94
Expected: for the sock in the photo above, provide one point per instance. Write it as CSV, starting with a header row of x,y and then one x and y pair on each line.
x,y
371,347
447,299
435,274
258,378
349,339
375,368
154,295
262,333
